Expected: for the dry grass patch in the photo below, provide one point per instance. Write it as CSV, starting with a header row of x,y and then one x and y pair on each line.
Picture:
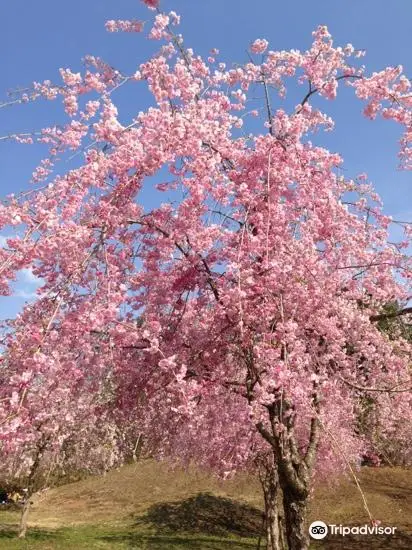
x,y
148,505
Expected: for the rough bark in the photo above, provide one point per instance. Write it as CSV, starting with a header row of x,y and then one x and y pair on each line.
x,y
24,517
271,496
32,485
274,517
293,468
295,521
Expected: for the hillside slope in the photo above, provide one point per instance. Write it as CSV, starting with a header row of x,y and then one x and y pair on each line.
x,y
147,501
131,491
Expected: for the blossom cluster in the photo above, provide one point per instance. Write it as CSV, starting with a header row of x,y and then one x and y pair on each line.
x,y
255,293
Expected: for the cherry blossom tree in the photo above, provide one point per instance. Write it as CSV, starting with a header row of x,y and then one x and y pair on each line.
x,y
387,433
46,457
65,430
238,318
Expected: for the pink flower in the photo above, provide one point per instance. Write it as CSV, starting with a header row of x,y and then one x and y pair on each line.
x,y
168,362
375,522
124,26
152,4
174,18
158,30
259,46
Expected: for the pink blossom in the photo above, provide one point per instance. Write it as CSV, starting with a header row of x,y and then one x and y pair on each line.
x,y
124,26
234,318
159,28
152,4
259,45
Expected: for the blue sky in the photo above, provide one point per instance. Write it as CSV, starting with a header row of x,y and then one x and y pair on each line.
x,y
38,38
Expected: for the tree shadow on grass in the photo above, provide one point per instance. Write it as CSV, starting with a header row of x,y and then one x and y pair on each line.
x,y
33,533
202,522
207,514
396,492
7,532
177,542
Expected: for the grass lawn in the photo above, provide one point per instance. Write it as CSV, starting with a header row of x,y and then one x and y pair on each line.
x,y
148,506
116,538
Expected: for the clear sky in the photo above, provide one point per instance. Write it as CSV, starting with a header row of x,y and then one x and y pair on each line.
x,y
39,37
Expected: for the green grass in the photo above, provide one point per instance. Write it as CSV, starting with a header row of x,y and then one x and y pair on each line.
x,y
90,537
148,506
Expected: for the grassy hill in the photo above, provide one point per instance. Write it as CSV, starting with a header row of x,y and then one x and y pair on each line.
x,y
148,506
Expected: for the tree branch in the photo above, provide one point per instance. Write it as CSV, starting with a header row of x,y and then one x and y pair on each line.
x,y
383,390
391,315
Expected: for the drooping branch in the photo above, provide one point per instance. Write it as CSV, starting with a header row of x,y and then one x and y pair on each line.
x,y
391,314
186,254
393,389
313,91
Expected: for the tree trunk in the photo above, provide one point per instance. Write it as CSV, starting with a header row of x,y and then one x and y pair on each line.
x,y
274,524
32,487
293,468
24,517
296,521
